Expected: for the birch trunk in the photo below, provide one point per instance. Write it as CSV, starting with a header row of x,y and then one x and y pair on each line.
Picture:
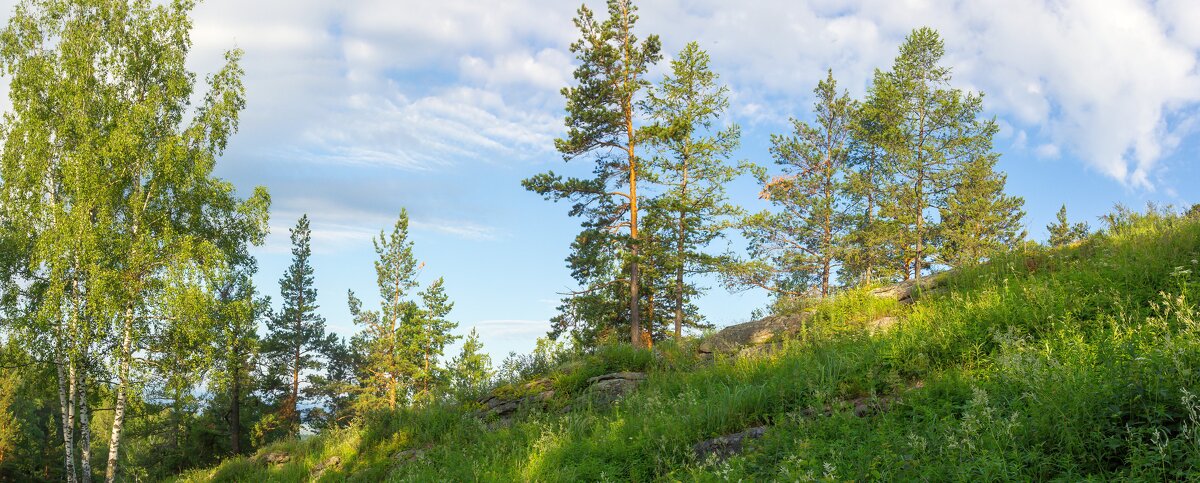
x,y
114,443
65,379
85,425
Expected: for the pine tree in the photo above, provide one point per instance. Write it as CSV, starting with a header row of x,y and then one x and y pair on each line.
x,y
337,387
870,188
601,119
692,165
236,314
296,334
595,261
795,249
402,341
933,132
471,370
388,358
1063,232
429,332
978,219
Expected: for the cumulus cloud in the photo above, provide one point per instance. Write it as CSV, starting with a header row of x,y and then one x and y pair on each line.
x,y
1109,82
434,86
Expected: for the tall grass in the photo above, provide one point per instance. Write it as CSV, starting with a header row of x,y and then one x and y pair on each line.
x,y
1074,363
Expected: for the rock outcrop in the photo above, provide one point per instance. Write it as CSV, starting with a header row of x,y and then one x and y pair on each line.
x,y
723,447
409,455
533,393
275,458
609,388
905,291
737,337
333,463
881,325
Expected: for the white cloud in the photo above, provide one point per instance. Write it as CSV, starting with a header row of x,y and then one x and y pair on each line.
x,y
427,85
1047,150
429,132
461,229
549,69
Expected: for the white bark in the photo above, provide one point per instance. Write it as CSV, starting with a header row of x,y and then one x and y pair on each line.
x,y
114,443
68,413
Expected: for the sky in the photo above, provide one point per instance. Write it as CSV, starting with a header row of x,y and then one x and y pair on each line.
x,y
358,108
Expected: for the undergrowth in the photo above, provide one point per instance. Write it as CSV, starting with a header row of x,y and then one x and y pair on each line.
x,y
1077,363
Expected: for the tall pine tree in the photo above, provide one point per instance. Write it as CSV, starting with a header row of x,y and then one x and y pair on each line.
x,y
692,165
933,132
402,341
602,122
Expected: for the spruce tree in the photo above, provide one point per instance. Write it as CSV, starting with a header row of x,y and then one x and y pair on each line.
x,y
602,122
296,335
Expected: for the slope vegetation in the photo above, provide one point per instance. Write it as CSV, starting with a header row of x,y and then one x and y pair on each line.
x,y
1072,363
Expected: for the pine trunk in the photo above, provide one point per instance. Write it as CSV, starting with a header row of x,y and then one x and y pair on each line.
x,y
293,400
681,248
679,288
920,237
635,315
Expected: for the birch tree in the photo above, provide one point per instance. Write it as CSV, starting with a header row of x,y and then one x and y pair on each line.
x,y
112,171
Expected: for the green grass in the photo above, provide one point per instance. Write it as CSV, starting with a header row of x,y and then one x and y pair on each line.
x,y
1047,364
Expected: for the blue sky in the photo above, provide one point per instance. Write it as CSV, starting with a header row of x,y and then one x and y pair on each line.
x,y
358,108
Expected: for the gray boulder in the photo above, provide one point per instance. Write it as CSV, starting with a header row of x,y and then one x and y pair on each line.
x,y
609,388
334,462
722,447
734,338
533,393
905,291
275,458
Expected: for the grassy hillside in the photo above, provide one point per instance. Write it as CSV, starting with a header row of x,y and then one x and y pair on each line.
x,y
1074,363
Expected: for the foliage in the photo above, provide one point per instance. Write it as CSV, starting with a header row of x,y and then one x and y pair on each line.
x,y
978,219
1063,232
794,250
106,173
692,166
471,370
